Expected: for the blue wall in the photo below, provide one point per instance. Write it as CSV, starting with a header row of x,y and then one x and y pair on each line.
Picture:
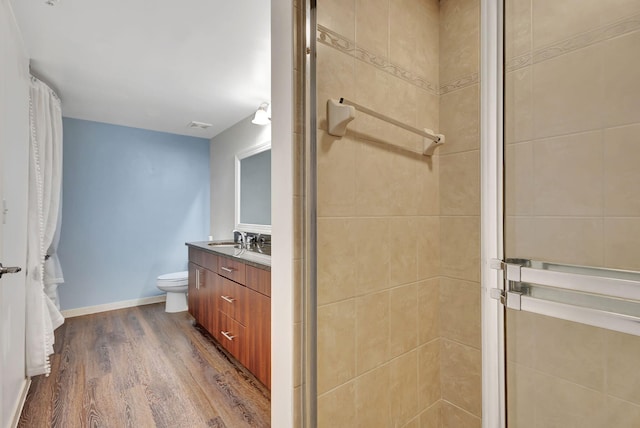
x,y
131,199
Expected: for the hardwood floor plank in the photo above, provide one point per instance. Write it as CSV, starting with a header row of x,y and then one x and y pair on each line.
x,y
177,354
143,367
67,397
137,410
92,417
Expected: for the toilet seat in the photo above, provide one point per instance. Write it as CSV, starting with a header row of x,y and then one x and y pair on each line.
x,y
175,279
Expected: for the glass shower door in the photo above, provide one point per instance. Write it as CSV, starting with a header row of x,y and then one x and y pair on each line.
x,y
572,213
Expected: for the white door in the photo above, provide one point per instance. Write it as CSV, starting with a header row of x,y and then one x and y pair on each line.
x,y
14,152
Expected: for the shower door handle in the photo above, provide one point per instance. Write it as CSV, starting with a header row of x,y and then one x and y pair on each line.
x,y
4,270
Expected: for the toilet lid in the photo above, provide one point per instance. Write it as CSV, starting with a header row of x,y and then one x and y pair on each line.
x,y
175,276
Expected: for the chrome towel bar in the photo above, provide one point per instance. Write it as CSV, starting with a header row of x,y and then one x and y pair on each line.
x,y
341,112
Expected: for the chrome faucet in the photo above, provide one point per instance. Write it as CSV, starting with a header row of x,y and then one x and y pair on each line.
x,y
240,237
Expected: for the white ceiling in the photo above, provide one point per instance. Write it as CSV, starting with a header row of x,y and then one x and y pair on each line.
x,y
152,64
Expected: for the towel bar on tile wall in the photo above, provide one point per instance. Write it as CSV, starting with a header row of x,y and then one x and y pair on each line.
x,y
341,112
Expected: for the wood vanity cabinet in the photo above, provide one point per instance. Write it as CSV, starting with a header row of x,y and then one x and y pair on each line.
x,y
201,295
259,336
231,300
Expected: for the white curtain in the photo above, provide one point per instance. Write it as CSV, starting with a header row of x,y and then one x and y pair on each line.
x,y
45,182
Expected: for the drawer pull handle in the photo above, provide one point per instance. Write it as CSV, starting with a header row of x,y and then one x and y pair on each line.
x,y
227,335
227,299
226,269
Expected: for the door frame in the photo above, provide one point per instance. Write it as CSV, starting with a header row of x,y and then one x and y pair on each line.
x,y
282,268
14,136
492,211
14,95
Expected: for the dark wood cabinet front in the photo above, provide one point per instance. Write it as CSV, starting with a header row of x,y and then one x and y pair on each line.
x,y
231,300
259,335
192,294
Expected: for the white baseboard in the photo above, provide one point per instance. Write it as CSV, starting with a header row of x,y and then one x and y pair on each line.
x,y
21,401
70,313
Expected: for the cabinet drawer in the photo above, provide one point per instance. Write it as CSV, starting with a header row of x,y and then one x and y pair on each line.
x,y
233,337
259,280
232,269
210,261
204,259
195,256
233,300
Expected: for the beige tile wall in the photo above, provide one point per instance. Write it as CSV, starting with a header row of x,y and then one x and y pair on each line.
x,y
379,347
399,241
573,145
460,214
564,96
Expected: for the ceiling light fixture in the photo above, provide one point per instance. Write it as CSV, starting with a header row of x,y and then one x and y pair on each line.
x,y
263,115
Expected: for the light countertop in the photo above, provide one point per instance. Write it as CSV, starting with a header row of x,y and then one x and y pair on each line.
x,y
261,261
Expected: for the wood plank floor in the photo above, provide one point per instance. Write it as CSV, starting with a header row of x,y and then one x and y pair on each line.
x,y
143,367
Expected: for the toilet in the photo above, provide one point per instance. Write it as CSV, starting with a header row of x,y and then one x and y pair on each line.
x,y
175,285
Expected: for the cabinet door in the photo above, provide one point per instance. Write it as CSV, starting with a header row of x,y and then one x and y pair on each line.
x,y
259,336
192,294
207,303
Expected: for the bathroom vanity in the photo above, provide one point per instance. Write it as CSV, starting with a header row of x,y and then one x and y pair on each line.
x,y
230,296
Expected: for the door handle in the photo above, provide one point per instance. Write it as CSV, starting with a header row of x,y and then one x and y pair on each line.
x,y
4,270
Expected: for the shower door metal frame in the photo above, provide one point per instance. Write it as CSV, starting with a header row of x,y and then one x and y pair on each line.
x,y
492,211
309,405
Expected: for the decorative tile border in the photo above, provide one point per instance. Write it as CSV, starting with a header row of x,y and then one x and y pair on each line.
x,y
461,83
341,43
574,43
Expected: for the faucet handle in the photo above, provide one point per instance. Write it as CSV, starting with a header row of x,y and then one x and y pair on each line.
x,y
263,239
250,238
239,237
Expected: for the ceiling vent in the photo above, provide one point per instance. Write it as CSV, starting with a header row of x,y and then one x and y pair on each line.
x,y
200,125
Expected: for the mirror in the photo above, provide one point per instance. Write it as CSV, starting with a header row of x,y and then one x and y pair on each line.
x,y
253,189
